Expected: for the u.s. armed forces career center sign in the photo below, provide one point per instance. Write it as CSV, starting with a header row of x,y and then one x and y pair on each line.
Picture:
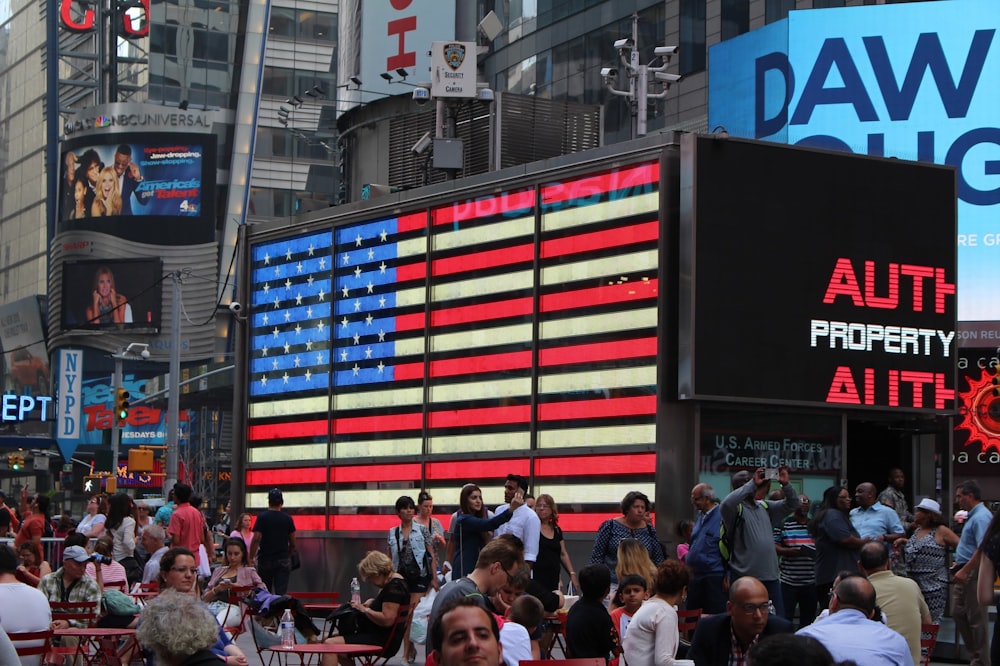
x,y
723,450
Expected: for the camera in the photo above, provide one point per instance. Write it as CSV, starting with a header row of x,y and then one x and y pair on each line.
x,y
235,307
421,96
97,558
771,473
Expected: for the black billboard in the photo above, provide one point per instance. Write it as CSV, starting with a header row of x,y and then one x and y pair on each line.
x,y
156,188
816,278
113,294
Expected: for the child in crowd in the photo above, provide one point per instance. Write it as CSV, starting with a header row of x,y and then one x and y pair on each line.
x,y
523,618
631,593
589,632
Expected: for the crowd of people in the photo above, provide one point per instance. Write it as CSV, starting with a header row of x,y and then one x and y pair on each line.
x,y
770,575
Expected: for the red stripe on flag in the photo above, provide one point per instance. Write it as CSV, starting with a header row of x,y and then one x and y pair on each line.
x,y
598,240
410,322
311,523
484,207
382,423
586,188
482,312
479,417
596,296
480,260
597,409
354,473
301,429
411,221
475,469
412,271
285,477
598,351
584,522
365,523
633,463
473,364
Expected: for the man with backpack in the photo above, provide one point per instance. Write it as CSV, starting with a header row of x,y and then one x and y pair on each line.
x,y
747,530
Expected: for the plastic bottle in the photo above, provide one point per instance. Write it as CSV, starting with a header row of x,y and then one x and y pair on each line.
x,y
355,591
287,629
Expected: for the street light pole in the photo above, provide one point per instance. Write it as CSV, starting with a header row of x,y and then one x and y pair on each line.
x,y
174,389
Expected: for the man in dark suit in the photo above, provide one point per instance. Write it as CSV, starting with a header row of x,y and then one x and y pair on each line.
x,y
128,177
719,638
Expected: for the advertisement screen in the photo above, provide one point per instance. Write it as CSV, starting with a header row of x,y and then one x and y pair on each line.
x,y
155,188
112,294
893,80
818,278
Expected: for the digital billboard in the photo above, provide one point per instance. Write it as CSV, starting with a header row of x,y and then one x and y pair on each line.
x,y
816,277
155,188
26,358
112,294
895,80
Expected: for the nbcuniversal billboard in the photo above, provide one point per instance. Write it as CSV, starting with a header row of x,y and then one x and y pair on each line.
x,y
909,81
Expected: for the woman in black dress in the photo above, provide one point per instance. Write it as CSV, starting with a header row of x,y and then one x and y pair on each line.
x,y
552,555
374,624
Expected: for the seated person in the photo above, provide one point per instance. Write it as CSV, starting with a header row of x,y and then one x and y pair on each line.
x,y
629,597
373,622
110,571
178,630
523,618
30,570
589,632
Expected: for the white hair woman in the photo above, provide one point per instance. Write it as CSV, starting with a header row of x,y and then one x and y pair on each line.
x,y
179,629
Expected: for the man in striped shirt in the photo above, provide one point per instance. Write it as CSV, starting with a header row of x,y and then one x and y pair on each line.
x,y
796,569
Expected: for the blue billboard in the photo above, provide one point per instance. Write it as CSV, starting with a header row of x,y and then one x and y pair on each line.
x,y
916,81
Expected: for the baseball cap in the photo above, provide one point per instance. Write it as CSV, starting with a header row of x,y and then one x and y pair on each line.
x,y
927,504
274,496
76,553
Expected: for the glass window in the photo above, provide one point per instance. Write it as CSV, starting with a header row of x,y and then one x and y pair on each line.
x,y
277,81
282,22
823,4
693,42
319,26
775,10
736,18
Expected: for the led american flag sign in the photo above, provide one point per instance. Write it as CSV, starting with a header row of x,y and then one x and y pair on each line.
x,y
516,326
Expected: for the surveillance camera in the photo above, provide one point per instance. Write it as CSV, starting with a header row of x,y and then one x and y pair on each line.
x,y
609,73
422,144
144,354
235,307
665,50
624,44
485,95
666,77
421,96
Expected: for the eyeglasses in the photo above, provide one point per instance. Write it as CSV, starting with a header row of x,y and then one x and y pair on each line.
x,y
510,577
184,570
751,609
541,505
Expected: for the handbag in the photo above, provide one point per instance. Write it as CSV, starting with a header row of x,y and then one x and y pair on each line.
x,y
119,603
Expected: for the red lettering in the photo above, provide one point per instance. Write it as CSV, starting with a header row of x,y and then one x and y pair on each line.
x,y
844,389
844,282
66,14
400,5
403,58
129,27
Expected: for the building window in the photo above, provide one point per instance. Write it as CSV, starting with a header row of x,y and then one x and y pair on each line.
x,y
735,18
825,4
692,46
775,10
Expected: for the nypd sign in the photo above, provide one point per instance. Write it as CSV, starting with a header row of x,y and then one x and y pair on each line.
x,y
903,80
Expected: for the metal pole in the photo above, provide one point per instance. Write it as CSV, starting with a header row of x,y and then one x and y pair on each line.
x,y
116,431
640,99
174,388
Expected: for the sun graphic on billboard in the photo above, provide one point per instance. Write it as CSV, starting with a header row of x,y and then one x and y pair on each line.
x,y
980,410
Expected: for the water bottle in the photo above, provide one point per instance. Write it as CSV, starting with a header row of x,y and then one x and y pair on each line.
x,y
287,629
355,591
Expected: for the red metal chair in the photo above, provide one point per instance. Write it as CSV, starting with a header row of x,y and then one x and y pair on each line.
x,y
41,643
84,612
928,639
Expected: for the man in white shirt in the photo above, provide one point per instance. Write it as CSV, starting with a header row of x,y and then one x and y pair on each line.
x,y
152,541
524,524
22,607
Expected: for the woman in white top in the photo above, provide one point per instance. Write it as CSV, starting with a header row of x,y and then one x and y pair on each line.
x,y
652,636
123,529
92,525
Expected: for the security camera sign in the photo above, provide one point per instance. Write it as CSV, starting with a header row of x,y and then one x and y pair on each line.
x,y
453,69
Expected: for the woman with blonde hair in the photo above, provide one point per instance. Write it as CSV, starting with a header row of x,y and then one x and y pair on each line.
x,y
107,200
633,558
377,616
107,305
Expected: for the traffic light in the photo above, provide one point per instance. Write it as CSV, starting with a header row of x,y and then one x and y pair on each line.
x,y
121,405
15,461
